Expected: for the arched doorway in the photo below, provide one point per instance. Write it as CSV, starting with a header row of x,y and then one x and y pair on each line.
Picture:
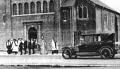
x,y
32,33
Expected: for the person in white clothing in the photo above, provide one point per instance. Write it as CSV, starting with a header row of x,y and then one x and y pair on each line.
x,y
43,50
54,47
15,46
21,46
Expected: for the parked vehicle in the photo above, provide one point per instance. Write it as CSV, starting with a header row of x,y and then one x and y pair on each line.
x,y
96,45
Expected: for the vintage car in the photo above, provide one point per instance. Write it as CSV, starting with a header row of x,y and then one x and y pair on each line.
x,y
92,45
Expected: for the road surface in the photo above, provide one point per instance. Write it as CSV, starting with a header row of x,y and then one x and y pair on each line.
x,y
39,67
57,60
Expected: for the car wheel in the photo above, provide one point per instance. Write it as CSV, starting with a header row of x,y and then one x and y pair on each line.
x,y
106,53
66,54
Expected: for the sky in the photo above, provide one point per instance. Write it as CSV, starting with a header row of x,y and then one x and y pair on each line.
x,y
115,4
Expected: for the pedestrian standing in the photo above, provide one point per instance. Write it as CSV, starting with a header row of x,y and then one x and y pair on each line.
x,y
54,47
34,46
29,47
57,48
21,46
43,46
19,41
11,41
9,46
15,47
25,46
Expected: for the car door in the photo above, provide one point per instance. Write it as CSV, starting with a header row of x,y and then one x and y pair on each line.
x,y
83,48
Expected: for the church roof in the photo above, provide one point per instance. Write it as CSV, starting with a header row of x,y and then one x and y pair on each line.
x,y
100,3
68,3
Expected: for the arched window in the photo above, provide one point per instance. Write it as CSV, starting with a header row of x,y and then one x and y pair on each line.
x,y
14,9
26,8
45,9
20,8
38,7
32,7
51,6
80,12
85,12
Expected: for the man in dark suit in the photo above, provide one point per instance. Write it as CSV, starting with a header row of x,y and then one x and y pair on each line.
x,y
21,46
30,46
34,46
25,46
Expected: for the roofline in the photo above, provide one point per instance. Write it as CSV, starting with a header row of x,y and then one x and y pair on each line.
x,y
113,11
108,9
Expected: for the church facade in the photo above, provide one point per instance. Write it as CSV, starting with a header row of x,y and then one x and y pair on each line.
x,y
29,19
62,20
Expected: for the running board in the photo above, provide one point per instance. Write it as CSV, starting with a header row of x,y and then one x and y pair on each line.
x,y
87,54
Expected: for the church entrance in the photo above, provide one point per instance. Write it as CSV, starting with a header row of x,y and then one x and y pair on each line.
x,y
32,33
32,30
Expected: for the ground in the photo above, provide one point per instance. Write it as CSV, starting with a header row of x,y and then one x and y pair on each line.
x,y
57,60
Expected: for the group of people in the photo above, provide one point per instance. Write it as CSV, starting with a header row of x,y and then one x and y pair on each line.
x,y
20,45
23,46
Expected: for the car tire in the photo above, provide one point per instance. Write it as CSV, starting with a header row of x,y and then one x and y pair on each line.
x,y
106,53
66,54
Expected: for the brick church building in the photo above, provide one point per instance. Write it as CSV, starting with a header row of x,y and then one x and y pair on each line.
x,y
61,19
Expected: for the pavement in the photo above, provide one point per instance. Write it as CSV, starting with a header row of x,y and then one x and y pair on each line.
x,y
56,60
